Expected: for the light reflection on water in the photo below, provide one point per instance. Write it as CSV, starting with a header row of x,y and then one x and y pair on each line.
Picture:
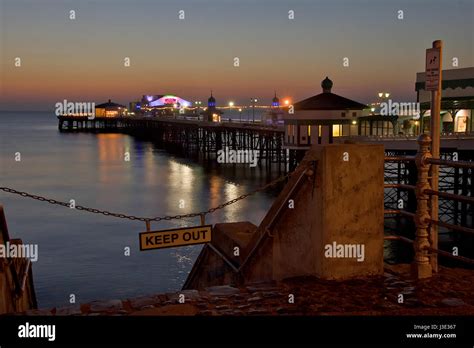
x,y
82,253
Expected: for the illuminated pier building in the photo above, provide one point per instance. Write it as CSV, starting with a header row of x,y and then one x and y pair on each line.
x,y
275,115
159,104
317,119
110,109
212,114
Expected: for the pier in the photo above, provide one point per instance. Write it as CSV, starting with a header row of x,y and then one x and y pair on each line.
x,y
192,138
202,138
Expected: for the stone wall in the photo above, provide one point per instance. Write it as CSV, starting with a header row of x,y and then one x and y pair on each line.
x,y
333,198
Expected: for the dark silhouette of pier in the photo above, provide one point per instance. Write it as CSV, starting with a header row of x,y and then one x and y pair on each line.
x,y
193,138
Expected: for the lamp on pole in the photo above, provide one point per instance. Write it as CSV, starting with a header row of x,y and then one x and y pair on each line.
x,y
253,101
231,104
240,115
198,105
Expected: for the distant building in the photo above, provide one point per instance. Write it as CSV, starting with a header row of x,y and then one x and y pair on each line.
x,y
316,120
381,121
110,109
167,100
212,114
275,115
159,104
457,100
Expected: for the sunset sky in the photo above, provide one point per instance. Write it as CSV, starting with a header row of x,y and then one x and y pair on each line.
x,y
83,59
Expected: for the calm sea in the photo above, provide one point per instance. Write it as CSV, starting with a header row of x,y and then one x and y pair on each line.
x,y
82,253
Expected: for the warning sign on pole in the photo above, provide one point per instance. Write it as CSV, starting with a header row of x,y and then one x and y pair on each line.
x,y
433,66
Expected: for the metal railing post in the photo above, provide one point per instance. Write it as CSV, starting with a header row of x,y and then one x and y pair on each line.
x,y
435,145
422,266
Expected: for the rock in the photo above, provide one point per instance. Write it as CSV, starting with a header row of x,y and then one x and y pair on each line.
x,y
453,302
145,307
190,294
261,288
254,299
271,294
408,290
287,310
171,298
222,307
237,297
202,305
217,299
70,310
222,290
46,312
175,310
397,283
140,302
104,306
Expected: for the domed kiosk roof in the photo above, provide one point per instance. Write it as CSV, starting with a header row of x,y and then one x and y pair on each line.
x,y
328,100
109,104
326,84
211,99
276,99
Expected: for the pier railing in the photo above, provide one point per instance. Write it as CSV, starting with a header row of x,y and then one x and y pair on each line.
x,y
425,242
403,137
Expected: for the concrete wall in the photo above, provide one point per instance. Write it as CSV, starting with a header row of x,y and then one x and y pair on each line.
x,y
350,202
343,203
338,196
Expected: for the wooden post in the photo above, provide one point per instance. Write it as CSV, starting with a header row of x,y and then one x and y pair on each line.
x,y
435,144
421,266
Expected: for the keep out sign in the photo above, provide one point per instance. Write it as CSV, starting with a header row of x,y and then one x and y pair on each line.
x,y
175,237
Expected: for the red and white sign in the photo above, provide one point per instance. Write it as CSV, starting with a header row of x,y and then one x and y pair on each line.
x,y
433,58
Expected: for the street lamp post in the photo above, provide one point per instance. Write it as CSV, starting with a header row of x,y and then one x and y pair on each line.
x,y
198,105
240,115
384,97
231,104
253,101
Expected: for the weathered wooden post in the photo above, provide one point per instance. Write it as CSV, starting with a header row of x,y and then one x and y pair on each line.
x,y
421,266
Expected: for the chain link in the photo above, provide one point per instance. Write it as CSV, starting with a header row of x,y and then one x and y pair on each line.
x,y
144,219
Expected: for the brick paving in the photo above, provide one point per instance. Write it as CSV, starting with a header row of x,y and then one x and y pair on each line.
x,y
450,292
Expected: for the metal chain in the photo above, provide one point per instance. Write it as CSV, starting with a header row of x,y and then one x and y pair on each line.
x,y
132,217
